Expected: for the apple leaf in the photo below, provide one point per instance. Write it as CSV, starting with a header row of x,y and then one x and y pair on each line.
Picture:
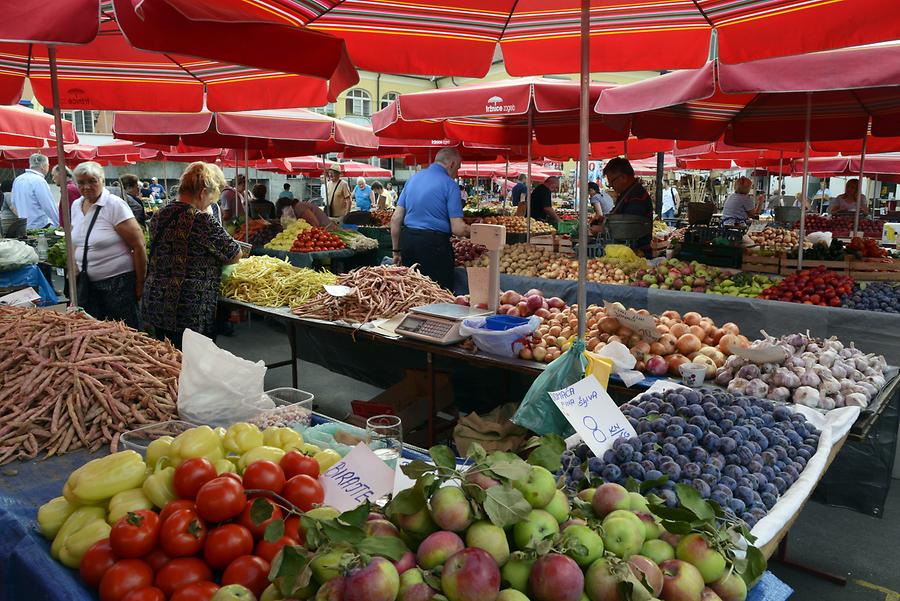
x,y
672,514
432,580
274,531
416,469
676,527
754,566
691,499
547,451
505,506
314,537
443,456
289,569
632,485
650,484
356,517
260,510
390,547
513,469
474,492
336,532
476,453
407,502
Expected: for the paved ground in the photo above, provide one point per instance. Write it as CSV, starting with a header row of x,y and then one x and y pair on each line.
x,y
830,539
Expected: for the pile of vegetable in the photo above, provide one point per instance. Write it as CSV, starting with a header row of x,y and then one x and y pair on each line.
x,y
285,239
265,235
317,240
742,284
821,251
376,292
69,382
866,248
741,452
382,218
56,253
272,282
816,286
842,225
774,239
519,225
194,516
465,251
815,373
355,240
256,225
874,296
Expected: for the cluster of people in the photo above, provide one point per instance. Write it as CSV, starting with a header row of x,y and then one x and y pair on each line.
x,y
340,200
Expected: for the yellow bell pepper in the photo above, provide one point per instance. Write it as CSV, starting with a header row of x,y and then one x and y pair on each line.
x,y
52,515
307,448
224,465
326,459
77,544
80,518
241,437
273,454
158,449
158,488
125,501
281,437
100,479
201,441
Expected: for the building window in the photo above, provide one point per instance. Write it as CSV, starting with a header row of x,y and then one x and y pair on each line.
x,y
328,109
389,98
358,103
85,121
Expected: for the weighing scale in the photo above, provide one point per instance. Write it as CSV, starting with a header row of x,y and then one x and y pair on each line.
x,y
438,323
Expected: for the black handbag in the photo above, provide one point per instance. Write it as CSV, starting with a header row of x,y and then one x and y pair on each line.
x,y
83,285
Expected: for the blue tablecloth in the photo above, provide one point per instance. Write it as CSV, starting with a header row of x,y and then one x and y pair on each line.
x,y
30,275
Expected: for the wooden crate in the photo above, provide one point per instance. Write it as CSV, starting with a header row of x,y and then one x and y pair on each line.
x,y
874,270
789,266
761,264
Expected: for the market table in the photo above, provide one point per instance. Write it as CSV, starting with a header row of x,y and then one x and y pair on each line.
x,y
340,261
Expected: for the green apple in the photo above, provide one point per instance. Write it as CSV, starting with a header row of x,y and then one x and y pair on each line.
x,y
622,537
658,550
450,509
730,587
537,526
652,528
515,573
694,549
638,502
559,506
626,514
485,535
587,547
538,488
511,594
233,592
326,566
586,494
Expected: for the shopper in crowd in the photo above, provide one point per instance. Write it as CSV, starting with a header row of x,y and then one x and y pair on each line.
x,y
741,206
187,251
337,193
848,201
822,199
286,192
233,200
132,187
601,201
260,207
542,200
363,196
463,194
428,211
382,201
157,190
284,202
145,190
72,192
109,249
520,190
31,196
670,200
391,193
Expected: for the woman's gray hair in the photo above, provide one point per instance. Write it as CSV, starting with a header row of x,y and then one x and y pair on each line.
x,y
90,168
38,160
360,180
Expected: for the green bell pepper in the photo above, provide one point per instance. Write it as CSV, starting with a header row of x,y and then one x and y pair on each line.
x,y
158,449
52,515
225,465
281,437
242,437
159,489
98,480
273,454
201,441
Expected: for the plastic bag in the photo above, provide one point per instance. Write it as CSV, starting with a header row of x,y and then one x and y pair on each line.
x,y
823,237
15,254
493,431
538,412
214,384
506,343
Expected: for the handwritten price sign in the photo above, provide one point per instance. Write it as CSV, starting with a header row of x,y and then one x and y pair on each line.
x,y
593,414
642,325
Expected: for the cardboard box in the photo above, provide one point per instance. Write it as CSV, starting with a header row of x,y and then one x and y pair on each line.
x,y
891,233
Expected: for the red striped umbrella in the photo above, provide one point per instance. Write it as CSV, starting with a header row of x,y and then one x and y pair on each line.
x,y
20,126
849,166
424,150
459,37
126,60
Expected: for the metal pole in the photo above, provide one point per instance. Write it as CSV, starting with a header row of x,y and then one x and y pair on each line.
x,y
61,168
528,180
859,188
660,165
506,190
583,148
246,197
805,181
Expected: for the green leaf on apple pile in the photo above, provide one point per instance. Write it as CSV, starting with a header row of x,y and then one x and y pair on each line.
x,y
691,499
754,566
632,485
476,453
432,579
443,457
356,517
260,510
274,531
513,468
390,547
290,570
406,502
547,451
416,469
312,528
335,532
474,492
505,506
650,484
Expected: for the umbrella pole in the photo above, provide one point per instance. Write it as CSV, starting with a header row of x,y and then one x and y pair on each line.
x,y
506,191
528,181
805,181
660,165
63,193
246,190
859,190
583,148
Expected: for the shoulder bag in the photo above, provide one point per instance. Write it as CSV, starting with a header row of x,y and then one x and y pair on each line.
x,y
83,285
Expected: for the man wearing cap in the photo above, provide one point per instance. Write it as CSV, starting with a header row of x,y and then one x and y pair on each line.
x,y
338,199
428,211
157,190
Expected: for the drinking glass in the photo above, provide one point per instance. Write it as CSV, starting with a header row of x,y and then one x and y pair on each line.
x,y
384,435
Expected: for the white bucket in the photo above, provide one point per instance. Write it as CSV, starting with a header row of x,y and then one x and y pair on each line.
x,y
692,374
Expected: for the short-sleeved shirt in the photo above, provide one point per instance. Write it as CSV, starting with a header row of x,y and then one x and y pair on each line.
x,y
634,201
337,198
518,191
844,203
185,269
33,200
108,254
158,190
286,194
232,201
668,199
363,198
73,194
541,199
430,199
736,209
604,201
137,207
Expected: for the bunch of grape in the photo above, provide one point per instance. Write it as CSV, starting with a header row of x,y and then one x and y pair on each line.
x,y
741,452
265,235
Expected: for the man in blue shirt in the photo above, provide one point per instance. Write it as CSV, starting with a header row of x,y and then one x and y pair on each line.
x,y
519,190
428,211
31,195
157,190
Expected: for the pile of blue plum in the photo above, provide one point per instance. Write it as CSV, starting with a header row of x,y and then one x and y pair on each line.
x,y
741,452
877,296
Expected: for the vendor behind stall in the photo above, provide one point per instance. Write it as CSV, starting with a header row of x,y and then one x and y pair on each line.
x,y
741,206
542,200
631,196
428,210
848,201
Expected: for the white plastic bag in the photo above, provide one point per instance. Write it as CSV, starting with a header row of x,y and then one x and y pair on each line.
x,y
15,254
623,362
214,383
506,343
823,237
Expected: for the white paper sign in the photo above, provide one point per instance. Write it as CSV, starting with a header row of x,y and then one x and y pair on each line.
x,y
25,296
61,272
360,476
642,325
756,227
338,290
593,414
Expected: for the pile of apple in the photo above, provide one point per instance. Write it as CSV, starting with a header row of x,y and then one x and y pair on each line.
x,y
673,274
467,252
519,225
870,228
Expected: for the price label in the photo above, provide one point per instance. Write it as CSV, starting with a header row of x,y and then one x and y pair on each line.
x,y
360,476
756,226
642,325
60,272
593,414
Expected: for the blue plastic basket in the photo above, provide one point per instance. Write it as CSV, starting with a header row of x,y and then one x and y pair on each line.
x,y
501,323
